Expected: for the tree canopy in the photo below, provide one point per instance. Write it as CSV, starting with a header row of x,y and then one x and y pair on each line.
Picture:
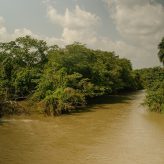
x,y
62,79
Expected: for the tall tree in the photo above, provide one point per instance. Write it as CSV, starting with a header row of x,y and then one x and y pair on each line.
x,y
161,51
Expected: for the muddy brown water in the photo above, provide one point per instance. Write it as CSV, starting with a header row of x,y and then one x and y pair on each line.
x,y
116,130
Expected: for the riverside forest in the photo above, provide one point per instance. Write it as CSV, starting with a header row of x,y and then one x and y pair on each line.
x,y
73,104
37,78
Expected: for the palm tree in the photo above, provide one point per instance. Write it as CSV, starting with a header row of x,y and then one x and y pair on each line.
x,y
161,51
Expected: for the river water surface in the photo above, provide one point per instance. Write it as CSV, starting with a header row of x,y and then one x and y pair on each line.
x,y
114,131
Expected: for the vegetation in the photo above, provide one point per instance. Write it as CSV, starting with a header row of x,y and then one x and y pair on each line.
x,y
152,79
56,80
59,79
161,51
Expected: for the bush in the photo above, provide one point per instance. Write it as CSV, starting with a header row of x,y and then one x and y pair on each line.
x,y
63,100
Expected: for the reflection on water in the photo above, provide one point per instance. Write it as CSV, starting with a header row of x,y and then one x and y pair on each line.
x,y
114,131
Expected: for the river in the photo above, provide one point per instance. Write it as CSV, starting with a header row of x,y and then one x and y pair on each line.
x,y
116,130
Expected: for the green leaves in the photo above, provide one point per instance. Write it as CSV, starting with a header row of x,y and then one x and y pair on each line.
x,y
155,98
21,63
63,100
153,80
61,78
161,51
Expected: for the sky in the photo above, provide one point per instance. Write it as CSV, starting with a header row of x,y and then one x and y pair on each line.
x,y
130,28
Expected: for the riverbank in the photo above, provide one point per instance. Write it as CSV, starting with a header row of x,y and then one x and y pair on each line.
x,y
28,108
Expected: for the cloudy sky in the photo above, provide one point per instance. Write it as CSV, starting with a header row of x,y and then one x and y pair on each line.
x,y
131,28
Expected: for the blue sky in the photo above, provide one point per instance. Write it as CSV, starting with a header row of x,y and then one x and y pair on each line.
x,y
131,28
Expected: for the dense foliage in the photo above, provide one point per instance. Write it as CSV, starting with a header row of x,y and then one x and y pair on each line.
x,y
61,79
153,81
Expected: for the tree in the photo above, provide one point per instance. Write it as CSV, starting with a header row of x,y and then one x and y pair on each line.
x,y
161,51
60,79
21,64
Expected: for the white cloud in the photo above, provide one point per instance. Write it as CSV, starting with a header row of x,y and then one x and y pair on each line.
x,y
6,36
141,25
78,25
77,18
140,22
85,36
